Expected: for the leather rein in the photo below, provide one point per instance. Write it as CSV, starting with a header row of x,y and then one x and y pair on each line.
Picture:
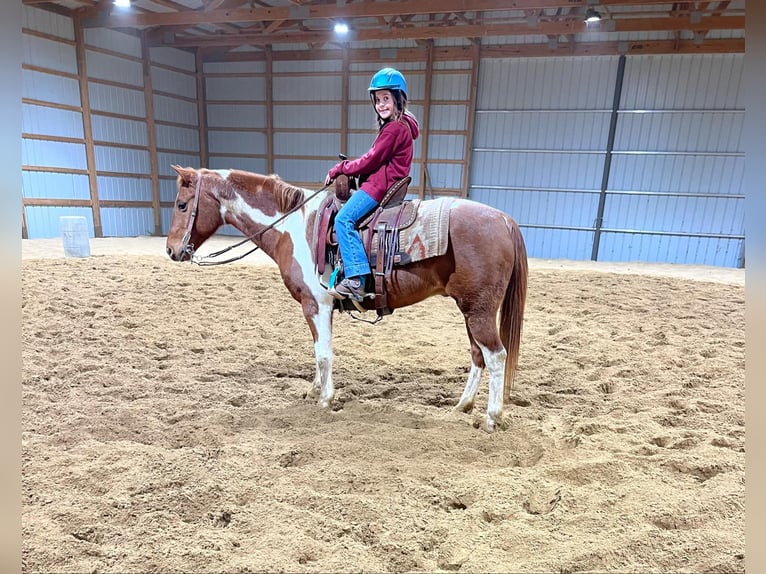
x,y
188,248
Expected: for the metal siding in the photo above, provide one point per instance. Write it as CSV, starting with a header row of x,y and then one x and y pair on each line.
x,y
168,191
449,117
236,116
121,160
450,86
302,171
165,160
670,249
174,110
164,80
234,67
310,117
43,221
445,175
331,67
127,221
47,22
116,100
446,147
254,164
546,83
173,137
242,89
173,57
124,188
114,69
118,130
49,185
313,88
307,144
49,54
236,142
53,154
113,40
49,88
51,121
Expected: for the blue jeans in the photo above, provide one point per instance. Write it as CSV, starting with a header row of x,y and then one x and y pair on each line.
x,y
355,261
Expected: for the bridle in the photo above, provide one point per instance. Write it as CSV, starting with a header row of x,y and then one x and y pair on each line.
x,y
188,248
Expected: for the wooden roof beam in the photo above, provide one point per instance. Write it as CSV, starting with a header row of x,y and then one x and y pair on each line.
x,y
333,11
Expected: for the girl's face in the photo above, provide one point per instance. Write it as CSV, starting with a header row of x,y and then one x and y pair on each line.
x,y
385,104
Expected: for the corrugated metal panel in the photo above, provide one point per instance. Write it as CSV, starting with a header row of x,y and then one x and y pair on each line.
x,y
116,100
309,117
458,65
114,68
118,130
127,221
50,88
546,83
165,80
172,137
173,57
314,88
166,159
670,249
49,54
450,86
449,117
122,160
168,190
534,130
243,89
302,171
175,110
234,67
43,221
316,144
236,116
558,244
684,82
443,175
113,40
51,121
446,147
47,22
236,142
124,188
254,164
290,66
47,185
53,154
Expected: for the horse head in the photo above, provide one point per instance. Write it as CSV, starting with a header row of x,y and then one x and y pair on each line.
x,y
196,214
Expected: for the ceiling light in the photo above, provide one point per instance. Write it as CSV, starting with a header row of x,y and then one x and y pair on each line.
x,y
341,28
591,16
122,3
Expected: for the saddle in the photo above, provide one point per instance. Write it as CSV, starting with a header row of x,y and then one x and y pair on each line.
x,y
379,231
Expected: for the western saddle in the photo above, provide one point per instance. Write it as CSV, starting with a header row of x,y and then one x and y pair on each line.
x,y
379,231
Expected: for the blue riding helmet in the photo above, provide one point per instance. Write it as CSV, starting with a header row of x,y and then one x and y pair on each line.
x,y
388,79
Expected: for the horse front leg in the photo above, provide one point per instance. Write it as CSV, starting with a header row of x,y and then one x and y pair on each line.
x,y
319,318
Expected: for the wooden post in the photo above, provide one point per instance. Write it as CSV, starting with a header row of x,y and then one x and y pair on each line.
x,y
471,112
152,134
90,154
425,120
269,111
344,111
201,108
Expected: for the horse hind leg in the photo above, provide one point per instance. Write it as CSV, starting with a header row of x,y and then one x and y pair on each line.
x,y
466,402
483,328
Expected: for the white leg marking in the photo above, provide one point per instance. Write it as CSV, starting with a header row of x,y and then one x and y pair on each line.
x,y
496,366
465,404
324,356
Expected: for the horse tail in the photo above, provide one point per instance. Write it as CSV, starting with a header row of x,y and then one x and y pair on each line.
x,y
512,309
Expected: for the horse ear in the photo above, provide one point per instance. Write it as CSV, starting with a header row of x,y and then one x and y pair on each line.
x,y
183,173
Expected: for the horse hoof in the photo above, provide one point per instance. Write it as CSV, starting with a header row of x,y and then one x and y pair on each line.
x,y
463,408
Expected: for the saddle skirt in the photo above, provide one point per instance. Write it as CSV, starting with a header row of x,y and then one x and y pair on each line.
x,y
422,228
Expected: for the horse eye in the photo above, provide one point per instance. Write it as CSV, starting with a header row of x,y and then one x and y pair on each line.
x,y
181,206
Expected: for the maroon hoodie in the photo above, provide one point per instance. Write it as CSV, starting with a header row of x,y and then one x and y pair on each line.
x,y
387,161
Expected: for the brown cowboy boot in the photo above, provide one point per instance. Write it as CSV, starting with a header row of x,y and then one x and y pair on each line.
x,y
352,287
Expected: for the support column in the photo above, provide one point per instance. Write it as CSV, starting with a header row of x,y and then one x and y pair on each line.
x,y
344,111
471,112
269,111
426,119
201,108
608,157
152,135
90,154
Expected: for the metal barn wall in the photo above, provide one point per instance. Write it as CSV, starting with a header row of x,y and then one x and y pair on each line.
x,y
103,119
674,187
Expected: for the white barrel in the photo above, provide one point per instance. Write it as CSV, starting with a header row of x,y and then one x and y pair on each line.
x,y
74,234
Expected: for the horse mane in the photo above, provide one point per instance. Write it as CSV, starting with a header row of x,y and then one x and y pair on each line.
x,y
286,196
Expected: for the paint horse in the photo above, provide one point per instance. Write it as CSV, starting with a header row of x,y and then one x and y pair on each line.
x,y
484,268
